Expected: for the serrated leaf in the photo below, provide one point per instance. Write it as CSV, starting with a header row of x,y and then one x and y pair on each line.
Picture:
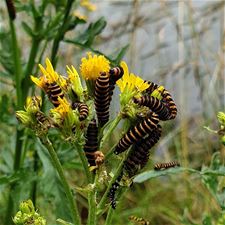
x,y
153,174
27,29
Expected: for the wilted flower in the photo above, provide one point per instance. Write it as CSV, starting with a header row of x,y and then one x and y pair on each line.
x,y
92,66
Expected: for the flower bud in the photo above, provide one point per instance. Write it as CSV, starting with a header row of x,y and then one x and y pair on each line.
x,y
24,118
221,118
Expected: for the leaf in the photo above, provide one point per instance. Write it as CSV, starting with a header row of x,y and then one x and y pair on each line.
x,y
207,220
153,174
94,29
120,55
28,29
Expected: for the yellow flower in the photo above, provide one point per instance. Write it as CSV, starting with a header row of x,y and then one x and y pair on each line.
x,y
80,16
75,80
92,66
63,108
49,75
88,5
130,82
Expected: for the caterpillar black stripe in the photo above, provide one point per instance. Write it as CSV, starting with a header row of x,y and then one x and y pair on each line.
x,y
54,91
82,109
160,166
112,191
151,88
139,220
168,101
115,74
139,155
102,98
91,144
137,132
11,9
43,120
155,105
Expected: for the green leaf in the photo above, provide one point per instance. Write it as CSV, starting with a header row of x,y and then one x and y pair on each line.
x,y
120,55
94,29
153,174
28,29
207,220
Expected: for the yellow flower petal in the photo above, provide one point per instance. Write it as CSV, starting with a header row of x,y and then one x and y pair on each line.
x,y
92,66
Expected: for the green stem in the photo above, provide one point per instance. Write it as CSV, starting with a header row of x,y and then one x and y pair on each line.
x,y
61,32
109,216
102,203
91,208
73,206
84,161
110,130
19,105
17,65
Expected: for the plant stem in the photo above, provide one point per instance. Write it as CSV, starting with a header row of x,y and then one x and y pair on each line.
x,y
91,208
102,203
61,32
73,206
19,133
84,161
110,130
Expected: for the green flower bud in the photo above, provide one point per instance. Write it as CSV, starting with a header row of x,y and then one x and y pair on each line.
x,y
28,215
27,207
221,118
24,117
33,104
222,139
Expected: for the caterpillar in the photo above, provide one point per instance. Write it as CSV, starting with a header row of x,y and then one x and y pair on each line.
x,y
102,98
137,132
115,74
155,105
11,9
112,191
82,109
139,220
168,101
151,88
94,157
160,166
43,120
54,91
138,158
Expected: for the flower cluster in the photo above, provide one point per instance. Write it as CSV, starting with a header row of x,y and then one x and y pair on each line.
x,y
28,215
81,113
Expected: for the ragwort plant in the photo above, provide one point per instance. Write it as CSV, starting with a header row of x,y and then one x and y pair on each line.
x,y
81,114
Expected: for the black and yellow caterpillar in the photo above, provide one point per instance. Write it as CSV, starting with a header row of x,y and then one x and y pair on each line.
x,y
82,109
160,166
139,155
102,98
155,105
54,91
139,220
115,74
137,132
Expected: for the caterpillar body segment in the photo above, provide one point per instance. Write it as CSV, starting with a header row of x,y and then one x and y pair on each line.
x,y
82,109
102,98
137,132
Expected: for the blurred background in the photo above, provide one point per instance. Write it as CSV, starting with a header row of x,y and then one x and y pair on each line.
x,y
177,44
